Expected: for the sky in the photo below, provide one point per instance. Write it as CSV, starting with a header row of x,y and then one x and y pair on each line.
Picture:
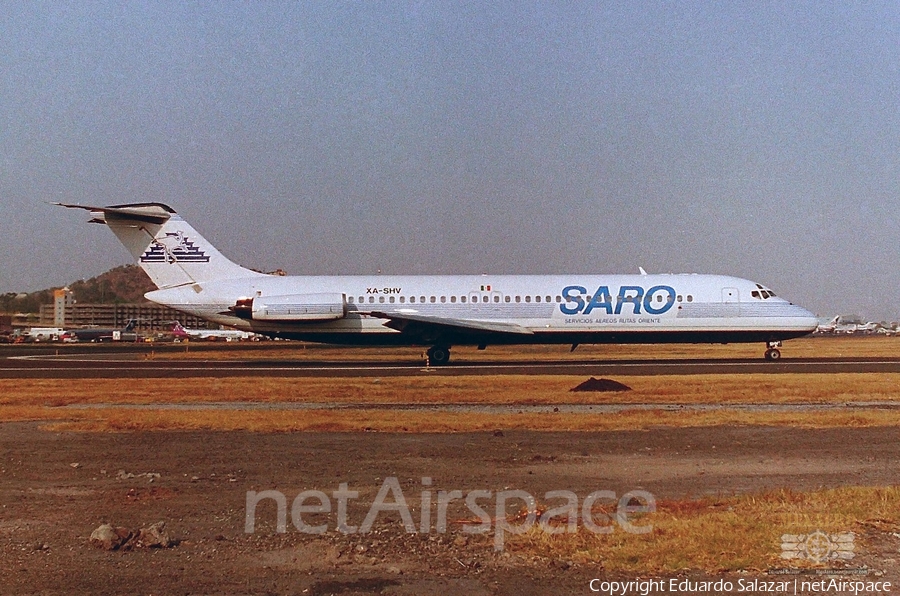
x,y
755,139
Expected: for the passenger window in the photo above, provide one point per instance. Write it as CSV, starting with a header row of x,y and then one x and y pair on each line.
x,y
371,299
496,298
527,298
452,299
422,299
484,298
537,298
518,299
506,298
690,298
679,298
350,299
402,299
443,299
462,298
433,299
381,299
391,300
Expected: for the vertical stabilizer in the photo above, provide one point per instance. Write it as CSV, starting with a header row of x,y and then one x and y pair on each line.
x,y
166,247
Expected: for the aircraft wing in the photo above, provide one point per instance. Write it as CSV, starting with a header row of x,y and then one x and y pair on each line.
x,y
414,323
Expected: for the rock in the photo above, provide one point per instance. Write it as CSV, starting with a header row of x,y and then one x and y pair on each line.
x,y
75,465
498,433
109,538
153,537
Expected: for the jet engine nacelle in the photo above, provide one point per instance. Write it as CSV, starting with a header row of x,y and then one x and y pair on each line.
x,y
294,307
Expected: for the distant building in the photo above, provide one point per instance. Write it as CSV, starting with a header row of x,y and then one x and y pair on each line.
x,y
149,316
62,299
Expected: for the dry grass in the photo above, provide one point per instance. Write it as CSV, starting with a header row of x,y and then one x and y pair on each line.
x,y
99,404
507,389
380,420
721,534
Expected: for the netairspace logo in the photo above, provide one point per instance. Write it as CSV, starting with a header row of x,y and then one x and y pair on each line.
x,y
488,507
817,546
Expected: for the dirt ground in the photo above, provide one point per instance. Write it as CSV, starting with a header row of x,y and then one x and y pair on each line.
x,y
56,488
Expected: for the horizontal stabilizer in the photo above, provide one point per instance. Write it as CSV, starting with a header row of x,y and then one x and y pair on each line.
x,y
154,213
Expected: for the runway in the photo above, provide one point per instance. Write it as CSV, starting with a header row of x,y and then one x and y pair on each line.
x,y
119,364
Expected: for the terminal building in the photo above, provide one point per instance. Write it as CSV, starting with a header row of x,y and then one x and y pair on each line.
x,y
67,314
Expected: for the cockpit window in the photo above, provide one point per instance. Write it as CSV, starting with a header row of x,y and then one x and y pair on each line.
x,y
762,293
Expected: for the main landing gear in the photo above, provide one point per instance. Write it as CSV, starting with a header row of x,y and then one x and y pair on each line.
x,y
772,353
438,355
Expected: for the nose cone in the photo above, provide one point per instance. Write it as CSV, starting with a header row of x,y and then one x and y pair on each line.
x,y
806,320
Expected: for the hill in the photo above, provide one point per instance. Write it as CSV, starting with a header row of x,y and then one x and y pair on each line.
x,y
125,284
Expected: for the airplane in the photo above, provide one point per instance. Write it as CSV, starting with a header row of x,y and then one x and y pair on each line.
x,y
99,334
829,326
442,311
181,332
837,326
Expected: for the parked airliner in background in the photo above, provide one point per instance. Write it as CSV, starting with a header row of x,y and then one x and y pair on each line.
x,y
100,334
447,310
184,333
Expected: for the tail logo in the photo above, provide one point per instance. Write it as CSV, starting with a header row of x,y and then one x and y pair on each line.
x,y
174,247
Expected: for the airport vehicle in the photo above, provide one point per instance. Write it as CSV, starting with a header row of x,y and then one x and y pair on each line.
x,y
99,334
183,333
447,310
44,334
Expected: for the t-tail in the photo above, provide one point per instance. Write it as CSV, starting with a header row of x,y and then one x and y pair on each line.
x,y
166,247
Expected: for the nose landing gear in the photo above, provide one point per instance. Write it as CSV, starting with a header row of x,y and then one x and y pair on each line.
x,y
772,351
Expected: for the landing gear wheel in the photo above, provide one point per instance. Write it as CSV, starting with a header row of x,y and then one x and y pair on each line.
x,y
438,355
772,354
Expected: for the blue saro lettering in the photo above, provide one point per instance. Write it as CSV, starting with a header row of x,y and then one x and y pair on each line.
x,y
578,301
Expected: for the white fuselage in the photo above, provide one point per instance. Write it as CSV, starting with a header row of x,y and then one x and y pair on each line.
x,y
553,309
